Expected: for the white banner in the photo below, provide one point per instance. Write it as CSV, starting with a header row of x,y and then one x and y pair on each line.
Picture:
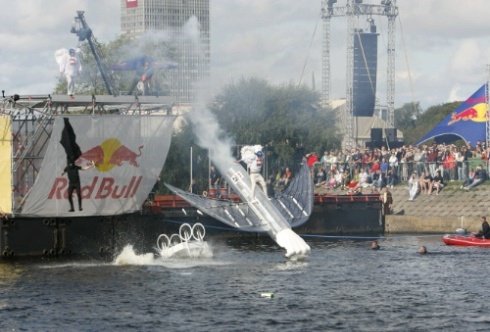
x,y
118,162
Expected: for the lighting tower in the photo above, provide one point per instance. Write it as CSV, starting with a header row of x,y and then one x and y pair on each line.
x,y
354,9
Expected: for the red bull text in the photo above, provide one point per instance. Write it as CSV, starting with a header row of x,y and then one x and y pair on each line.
x,y
100,188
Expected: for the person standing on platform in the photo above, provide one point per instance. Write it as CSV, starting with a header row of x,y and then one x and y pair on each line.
x,y
74,183
387,200
70,67
214,178
254,158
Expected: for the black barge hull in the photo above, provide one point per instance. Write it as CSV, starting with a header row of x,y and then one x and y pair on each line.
x,y
105,237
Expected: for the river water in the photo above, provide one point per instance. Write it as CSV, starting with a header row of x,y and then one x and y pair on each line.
x,y
342,286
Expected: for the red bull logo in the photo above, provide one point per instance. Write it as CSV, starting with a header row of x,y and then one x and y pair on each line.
x,y
108,154
99,188
476,113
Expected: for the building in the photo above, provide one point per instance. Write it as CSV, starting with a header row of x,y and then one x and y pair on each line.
x,y
364,127
187,21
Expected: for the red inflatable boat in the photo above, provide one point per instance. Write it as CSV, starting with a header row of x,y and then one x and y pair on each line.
x,y
465,240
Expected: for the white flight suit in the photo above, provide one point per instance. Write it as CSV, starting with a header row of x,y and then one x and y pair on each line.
x,y
256,175
71,68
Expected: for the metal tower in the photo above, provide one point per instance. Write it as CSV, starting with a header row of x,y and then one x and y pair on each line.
x,y
354,9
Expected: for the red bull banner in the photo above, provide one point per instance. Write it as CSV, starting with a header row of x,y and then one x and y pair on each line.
x,y
466,122
99,165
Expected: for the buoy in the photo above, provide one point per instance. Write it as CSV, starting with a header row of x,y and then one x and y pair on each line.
x,y
268,295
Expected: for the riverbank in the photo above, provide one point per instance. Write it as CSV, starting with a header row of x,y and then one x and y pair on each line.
x,y
453,208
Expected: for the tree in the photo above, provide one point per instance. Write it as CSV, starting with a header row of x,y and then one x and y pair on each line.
x,y
287,119
414,129
123,48
406,116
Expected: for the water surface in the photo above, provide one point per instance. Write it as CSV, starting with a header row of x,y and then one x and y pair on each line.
x,y
342,286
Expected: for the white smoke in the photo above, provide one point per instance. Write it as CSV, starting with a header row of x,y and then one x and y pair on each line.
x,y
206,127
192,30
211,136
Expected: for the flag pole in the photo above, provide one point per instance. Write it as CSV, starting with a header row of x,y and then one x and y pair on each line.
x,y
487,117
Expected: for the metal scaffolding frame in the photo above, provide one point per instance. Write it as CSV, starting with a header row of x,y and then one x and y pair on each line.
x,y
352,10
33,118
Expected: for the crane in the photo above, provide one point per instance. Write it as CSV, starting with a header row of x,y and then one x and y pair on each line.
x,y
83,31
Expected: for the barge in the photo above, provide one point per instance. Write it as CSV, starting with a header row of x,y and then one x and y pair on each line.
x,y
126,160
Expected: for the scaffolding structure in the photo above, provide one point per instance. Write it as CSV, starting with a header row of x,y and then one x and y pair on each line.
x,y
33,118
351,10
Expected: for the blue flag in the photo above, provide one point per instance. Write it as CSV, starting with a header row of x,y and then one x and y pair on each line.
x,y
467,122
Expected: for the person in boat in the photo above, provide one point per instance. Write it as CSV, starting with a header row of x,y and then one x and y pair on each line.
x,y
484,233
214,177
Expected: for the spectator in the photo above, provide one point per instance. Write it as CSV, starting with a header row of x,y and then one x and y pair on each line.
x,y
467,155
477,178
321,177
311,160
413,186
425,182
432,160
286,176
364,179
437,183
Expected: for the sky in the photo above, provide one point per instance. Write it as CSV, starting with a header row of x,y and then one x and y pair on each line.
x,y
442,46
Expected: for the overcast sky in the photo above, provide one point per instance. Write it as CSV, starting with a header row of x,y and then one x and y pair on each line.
x,y
442,46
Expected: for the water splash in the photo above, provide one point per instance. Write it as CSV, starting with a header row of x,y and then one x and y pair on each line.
x,y
129,257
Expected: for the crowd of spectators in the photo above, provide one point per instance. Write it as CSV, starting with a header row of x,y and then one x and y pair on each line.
x,y
429,167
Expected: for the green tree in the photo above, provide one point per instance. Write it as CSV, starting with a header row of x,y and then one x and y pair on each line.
x,y
177,169
287,119
414,129
123,48
407,115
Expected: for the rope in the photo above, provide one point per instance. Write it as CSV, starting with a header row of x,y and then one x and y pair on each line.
x,y
308,54
410,82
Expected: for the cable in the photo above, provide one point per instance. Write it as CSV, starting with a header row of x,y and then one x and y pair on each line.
x,y
308,54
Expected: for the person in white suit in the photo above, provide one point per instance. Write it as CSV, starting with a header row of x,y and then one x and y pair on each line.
x,y
70,67
254,158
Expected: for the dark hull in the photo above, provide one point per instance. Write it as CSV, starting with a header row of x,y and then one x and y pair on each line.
x,y
104,237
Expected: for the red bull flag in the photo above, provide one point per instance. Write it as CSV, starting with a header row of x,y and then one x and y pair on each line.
x,y
467,122
119,158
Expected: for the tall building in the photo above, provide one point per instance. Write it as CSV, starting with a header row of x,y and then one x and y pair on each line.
x,y
180,19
